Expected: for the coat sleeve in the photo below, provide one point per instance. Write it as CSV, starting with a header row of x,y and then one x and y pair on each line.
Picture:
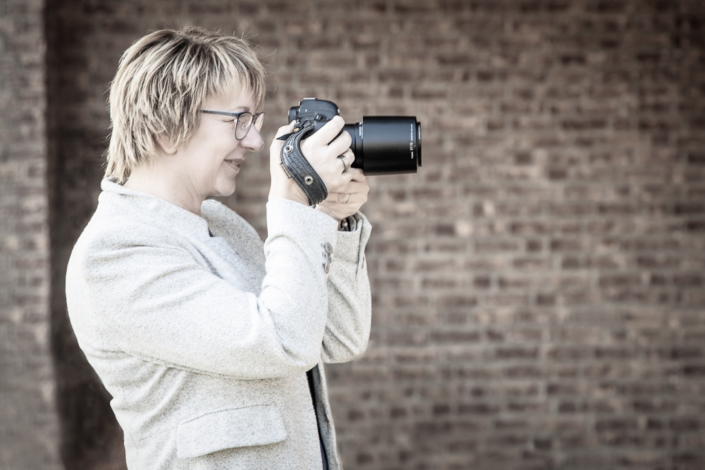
x,y
152,299
349,301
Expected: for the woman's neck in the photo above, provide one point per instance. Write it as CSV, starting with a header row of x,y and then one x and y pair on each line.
x,y
166,182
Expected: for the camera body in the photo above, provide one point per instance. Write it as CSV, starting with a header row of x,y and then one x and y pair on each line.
x,y
382,145
315,111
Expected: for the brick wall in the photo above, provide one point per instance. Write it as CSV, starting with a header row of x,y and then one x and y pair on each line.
x,y
539,296
28,425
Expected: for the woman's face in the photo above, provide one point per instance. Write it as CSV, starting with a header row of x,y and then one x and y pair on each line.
x,y
211,159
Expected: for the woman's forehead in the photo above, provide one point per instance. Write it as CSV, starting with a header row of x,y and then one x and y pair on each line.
x,y
232,98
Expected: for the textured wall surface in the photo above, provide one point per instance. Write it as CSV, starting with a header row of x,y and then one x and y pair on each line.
x,y
539,286
29,432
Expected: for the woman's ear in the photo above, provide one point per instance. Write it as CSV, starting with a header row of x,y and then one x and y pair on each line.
x,y
166,145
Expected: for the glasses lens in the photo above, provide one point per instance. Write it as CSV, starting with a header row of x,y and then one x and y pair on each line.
x,y
259,121
243,125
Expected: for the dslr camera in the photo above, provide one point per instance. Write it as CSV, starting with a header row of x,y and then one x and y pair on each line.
x,y
383,145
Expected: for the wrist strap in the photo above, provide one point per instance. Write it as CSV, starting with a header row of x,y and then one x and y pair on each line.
x,y
296,166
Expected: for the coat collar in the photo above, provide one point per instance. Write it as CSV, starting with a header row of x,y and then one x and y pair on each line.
x,y
152,207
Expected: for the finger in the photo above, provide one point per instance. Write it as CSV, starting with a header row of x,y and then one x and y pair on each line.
x,y
357,175
354,187
328,132
344,165
347,160
339,183
341,144
358,196
277,144
349,157
341,199
346,178
285,129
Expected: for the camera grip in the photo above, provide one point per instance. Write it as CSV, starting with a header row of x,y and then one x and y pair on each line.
x,y
297,167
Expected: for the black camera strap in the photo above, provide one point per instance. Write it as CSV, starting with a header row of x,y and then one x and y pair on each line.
x,y
296,166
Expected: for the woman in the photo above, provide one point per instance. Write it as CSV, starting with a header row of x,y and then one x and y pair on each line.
x,y
211,342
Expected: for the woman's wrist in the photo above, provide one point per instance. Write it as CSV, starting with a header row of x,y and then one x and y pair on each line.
x,y
295,196
345,224
321,208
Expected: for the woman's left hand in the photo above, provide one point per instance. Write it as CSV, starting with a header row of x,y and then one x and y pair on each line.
x,y
340,205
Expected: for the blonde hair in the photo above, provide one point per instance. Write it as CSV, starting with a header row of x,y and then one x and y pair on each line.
x,y
161,82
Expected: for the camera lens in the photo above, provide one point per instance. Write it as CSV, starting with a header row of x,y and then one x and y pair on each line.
x,y
386,144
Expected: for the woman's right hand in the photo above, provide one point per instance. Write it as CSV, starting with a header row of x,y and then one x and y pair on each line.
x,y
321,150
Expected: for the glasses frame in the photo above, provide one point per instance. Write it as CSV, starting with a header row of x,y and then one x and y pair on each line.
x,y
237,120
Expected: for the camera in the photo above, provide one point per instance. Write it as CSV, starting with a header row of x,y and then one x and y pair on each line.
x,y
383,145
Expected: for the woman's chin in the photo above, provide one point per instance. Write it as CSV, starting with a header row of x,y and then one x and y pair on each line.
x,y
224,189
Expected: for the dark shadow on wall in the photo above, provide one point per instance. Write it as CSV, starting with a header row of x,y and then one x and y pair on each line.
x,y
91,437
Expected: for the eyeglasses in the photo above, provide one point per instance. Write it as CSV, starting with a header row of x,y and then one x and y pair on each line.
x,y
243,121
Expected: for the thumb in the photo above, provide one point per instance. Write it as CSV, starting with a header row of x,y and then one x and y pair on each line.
x,y
275,148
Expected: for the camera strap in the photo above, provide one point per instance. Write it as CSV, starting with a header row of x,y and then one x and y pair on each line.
x,y
296,166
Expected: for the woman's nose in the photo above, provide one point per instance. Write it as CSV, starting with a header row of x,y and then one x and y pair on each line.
x,y
253,140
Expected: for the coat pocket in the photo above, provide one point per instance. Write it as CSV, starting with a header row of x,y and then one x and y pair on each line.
x,y
229,428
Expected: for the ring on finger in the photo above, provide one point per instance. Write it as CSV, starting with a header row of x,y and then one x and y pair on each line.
x,y
346,165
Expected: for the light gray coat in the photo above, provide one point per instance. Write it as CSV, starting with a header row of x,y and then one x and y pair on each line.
x,y
204,341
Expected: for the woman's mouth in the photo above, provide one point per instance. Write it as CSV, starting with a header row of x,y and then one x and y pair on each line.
x,y
234,165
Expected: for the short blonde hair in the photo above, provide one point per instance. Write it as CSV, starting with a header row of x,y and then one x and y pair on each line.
x,y
161,83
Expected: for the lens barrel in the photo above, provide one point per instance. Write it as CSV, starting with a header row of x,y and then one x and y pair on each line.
x,y
386,144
